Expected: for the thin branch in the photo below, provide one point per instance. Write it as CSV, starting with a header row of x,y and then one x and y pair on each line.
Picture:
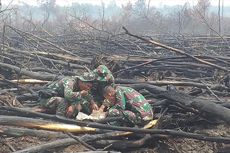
x,y
81,141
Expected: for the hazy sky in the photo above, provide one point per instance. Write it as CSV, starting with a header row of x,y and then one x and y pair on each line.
x,y
119,2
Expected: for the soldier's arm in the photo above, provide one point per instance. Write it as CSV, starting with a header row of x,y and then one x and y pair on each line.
x,y
120,100
69,94
119,104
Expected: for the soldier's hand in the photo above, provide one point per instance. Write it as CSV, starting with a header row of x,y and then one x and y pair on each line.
x,y
70,111
40,110
84,93
101,109
94,106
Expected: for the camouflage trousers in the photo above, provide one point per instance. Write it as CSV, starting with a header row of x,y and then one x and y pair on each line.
x,y
59,106
131,118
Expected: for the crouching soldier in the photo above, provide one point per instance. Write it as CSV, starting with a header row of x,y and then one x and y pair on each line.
x,y
103,74
69,95
103,78
128,103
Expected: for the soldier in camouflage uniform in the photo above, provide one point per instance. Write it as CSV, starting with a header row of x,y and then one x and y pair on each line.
x,y
69,95
103,78
103,74
127,102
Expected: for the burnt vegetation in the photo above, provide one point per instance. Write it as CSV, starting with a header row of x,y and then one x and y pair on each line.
x,y
178,59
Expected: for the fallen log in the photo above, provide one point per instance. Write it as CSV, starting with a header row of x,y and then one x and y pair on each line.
x,y
177,51
41,124
52,61
44,40
7,120
29,73
189,101
123,145
59,56
29,81
53,71
19,132
175,83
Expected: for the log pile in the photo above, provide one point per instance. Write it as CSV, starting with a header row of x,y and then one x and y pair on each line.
x,y
186,79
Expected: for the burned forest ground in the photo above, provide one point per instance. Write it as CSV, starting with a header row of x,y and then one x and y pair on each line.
x,y
185,78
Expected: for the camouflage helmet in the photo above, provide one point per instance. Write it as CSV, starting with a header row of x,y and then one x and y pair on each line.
x,y
102,73
87,77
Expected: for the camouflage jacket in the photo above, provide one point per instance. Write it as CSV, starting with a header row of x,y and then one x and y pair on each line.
x,y
129,99
67,87
102,73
